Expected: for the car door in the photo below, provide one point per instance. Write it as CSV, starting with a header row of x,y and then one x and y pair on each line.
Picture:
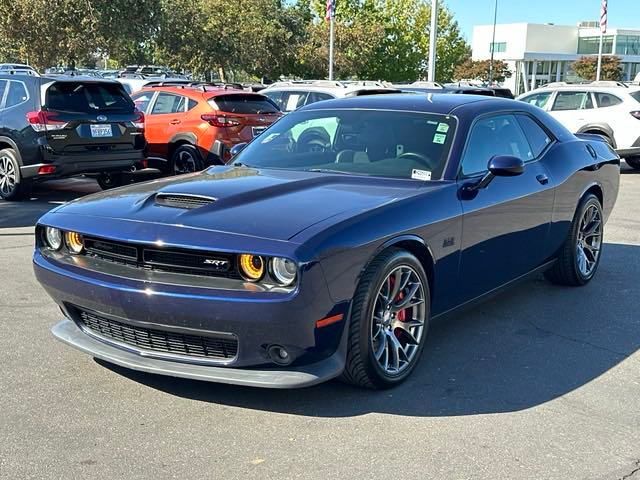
x,y
506,224
163,121
574,109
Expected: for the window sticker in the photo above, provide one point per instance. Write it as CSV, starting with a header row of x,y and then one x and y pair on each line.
x,y
442,128
424,175
439,138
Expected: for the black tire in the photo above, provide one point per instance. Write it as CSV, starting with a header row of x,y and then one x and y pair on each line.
x,y
13,186
108,181
633,162
566,270
362,368
185,159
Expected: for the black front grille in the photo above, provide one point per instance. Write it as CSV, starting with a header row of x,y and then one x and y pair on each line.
x,y
212,264
222,347
183,201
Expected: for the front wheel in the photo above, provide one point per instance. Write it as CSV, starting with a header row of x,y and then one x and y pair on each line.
x,y
389,321
579,258
633,162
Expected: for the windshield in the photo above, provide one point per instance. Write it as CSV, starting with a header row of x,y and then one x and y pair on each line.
x,y
357,142
636,95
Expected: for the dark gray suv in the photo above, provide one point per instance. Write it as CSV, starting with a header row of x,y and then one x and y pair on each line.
x,y
60,126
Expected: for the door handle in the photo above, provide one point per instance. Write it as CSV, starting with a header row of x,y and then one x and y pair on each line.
x,y
174,122
543,179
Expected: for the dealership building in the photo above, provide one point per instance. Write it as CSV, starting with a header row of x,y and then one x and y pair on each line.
x,y
543,53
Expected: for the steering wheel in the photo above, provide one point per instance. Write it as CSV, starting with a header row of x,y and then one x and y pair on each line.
x,y
426,161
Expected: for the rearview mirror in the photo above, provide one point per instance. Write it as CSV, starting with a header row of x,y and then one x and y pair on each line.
x,y
236,149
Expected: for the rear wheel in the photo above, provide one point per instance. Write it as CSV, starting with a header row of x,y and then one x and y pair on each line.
x,y
633,162
389,321
12,185
186,159
111,180
580,256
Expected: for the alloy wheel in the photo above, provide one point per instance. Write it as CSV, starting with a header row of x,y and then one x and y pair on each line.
x,y
399,315
8,176
589,240
185,162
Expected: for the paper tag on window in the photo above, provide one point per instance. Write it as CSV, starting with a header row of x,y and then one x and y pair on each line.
x,y
439,138
442,128
424,175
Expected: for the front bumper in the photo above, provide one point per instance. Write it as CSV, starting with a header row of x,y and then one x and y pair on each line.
x,y
292,377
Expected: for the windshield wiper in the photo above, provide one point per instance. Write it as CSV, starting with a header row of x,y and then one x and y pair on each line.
x,y
327,170
240,164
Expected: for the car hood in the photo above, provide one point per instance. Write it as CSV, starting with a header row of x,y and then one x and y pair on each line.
x,y
267,203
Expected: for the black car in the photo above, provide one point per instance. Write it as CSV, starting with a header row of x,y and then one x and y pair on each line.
x,y
59,126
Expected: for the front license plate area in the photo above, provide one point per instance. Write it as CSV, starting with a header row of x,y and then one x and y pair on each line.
x,y
101,131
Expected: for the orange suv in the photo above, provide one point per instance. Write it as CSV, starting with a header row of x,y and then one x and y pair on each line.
x,y
191,126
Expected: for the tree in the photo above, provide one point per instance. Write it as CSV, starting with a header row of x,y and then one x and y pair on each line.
x,y
586,68
479,70
383,39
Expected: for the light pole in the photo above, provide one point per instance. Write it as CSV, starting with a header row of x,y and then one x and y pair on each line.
x,y
493,41
433,38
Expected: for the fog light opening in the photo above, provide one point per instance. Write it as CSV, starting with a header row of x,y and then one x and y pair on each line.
x,y
279,355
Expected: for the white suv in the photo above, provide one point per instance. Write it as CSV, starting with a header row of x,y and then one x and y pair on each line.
x,y
610,109
290,96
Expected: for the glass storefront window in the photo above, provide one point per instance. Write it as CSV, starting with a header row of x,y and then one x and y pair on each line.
x,y
590,45
628,45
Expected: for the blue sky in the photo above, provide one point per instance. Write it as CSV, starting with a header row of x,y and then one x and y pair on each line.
x,y
622,13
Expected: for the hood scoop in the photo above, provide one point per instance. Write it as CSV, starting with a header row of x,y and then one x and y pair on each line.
x,y
183,200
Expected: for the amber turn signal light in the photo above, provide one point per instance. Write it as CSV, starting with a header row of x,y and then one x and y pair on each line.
x,y
251,267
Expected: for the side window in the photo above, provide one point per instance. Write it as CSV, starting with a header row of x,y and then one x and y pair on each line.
x,y
17,94
491,136
292,101
538,99
142,100
191,105
3,87
317,97
180,105
607,100
537,137
572,101
167,103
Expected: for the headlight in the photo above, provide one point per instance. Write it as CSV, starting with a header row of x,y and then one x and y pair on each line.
x,y
75,242
251,267
53,237
284,271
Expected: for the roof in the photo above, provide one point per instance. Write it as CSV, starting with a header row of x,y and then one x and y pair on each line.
x,y
432,103
196,89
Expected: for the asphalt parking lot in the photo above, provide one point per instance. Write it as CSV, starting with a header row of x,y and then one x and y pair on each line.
x,y
542,382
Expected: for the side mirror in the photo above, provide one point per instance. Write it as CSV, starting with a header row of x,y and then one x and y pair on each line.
x,y
236,149
506,166
499,166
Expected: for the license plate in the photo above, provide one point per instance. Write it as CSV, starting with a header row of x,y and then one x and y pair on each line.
x,y
101,131
258,130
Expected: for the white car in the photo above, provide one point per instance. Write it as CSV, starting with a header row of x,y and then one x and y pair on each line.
x,y
18,69
290,96
610,109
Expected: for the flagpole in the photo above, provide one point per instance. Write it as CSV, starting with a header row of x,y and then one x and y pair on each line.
x,y
332,35
599,58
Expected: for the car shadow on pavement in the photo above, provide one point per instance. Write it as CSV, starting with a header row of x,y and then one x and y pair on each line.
x,y
523,348
45,196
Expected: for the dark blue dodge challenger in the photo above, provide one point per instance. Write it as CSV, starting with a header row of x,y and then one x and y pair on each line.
x,y
330,242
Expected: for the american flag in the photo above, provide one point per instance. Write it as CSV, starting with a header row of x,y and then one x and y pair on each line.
x,y
331,9
603,17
